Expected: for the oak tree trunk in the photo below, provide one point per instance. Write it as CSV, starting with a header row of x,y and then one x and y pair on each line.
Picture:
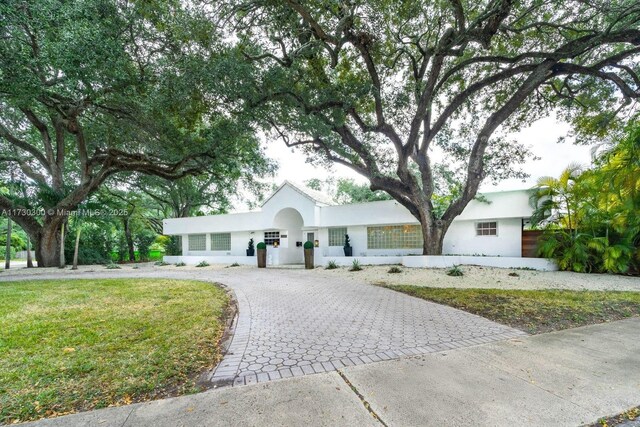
x,y
433,236
48,242
62,260
48,247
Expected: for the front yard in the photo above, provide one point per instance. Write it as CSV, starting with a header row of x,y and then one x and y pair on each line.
x,y
534,311
75,345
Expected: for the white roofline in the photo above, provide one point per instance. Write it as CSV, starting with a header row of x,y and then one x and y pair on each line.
x,y
297,189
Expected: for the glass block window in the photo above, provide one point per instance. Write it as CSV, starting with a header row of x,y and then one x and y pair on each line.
x,y
394,237
487,228
221,242
198,242
271,237
336,236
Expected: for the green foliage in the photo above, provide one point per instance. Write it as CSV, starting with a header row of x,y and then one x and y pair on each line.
x,y
3,252
592,221
308,245
331,265
144,239
160,263
96,243
347,191
203,264
250,246
235,264
173,245
180,264
355,265
455,271
112,266
395,269
347,241
100,91
261,245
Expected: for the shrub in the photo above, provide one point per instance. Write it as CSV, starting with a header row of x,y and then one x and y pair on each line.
x,y
331,265
173,245
514,274
112,267
347,241
95,246
584,253
144,239
250,246
261,245
203,264
160,263
3,252
308,245
235,264
395,269
455,271
355,265
180,264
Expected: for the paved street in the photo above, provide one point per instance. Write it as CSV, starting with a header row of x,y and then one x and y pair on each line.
x,y
293,323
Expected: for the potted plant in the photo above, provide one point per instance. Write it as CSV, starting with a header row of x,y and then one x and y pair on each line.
x,y
348,250
308,255
250,250
262,255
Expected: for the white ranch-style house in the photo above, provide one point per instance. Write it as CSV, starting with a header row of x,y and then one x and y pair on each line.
x,y
488,232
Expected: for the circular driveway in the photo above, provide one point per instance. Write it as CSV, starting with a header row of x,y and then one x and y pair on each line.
x,y
294,322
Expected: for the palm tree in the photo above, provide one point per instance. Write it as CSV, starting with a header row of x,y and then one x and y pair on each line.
x,y
557,197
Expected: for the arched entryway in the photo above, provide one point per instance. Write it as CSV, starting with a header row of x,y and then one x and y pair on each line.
x,y
289,222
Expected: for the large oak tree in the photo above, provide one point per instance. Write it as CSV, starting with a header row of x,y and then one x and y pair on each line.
x,y
98,89
382,85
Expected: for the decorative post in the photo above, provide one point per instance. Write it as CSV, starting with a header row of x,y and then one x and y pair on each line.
x,y
308,255
262,255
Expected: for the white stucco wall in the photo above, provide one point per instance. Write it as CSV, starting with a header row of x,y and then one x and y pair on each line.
x,y
461,239
294,214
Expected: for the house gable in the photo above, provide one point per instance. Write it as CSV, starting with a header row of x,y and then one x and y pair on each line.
x,y
290,196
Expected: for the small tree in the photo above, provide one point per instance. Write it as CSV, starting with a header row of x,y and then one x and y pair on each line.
x,y
348,250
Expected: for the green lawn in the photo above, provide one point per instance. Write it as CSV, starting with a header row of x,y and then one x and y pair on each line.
x,y
534,311
75,345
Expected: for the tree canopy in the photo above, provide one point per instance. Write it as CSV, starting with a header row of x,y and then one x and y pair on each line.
x,y
408,92
92,90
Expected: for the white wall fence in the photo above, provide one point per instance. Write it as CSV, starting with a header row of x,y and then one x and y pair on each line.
x,y
412,261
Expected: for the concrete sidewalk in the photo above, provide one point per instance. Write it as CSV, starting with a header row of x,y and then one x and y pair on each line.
x,y
565,378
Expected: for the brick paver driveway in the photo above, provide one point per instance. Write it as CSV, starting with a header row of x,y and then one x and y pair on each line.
x,y
297,322
294,323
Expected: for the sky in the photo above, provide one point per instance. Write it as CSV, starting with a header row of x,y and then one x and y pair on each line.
x,y
542,136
